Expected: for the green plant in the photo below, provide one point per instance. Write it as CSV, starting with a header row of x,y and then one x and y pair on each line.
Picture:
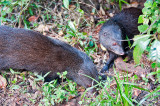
x,y
15,81
150,32
154,94
120,3
66,3
56,93
121,95
74,36
149,40
17,12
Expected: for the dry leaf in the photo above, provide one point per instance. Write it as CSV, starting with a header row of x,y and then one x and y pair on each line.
x,y
136,92
102,11
72,7
33,18
133,4
42,28
3,82
60,33
81,90
32,84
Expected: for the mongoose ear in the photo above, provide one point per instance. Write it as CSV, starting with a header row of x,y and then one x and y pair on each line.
x,y
80,72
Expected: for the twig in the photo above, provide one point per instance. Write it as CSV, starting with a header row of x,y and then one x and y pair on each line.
x,y
22,12
124,40
90,5
151,25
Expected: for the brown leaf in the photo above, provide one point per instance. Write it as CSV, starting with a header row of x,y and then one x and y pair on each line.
x,y
32,84
3,82
42,28
33,18
133,4
71,97
60,33
136,92
81,89
72,7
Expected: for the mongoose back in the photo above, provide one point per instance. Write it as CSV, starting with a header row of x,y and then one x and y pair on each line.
x,y
29,50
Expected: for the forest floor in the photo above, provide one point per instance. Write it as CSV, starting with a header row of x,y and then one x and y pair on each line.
x,y
23,90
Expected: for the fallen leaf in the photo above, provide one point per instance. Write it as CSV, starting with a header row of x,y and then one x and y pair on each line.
x,y
136,92
42,28
60,33
81,90
133,4
32,84
3,82
33,18
72,7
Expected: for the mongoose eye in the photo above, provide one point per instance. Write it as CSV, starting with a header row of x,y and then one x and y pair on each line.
x,y
106,34
114,44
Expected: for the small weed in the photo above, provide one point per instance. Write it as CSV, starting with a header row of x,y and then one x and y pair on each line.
x,y
74,36
119,94
54,94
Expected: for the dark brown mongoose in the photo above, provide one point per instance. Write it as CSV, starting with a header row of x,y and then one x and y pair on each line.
x,y
29,50
113,33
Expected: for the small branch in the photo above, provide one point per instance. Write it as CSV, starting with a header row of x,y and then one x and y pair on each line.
x,y
90,6
124,40
151,25
92,3
22,12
